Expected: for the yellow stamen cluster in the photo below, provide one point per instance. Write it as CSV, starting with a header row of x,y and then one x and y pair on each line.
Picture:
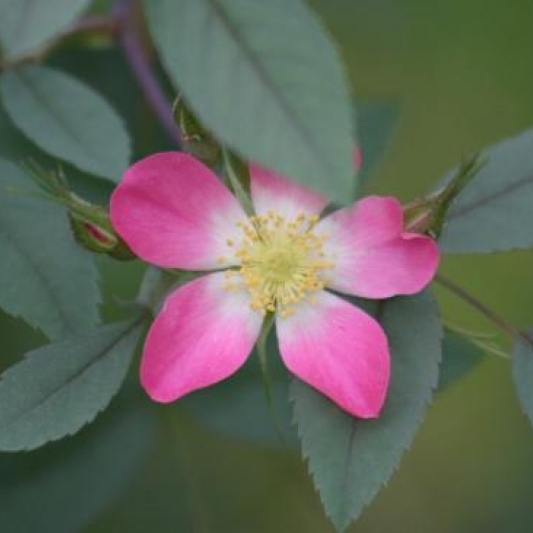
x,y
281,261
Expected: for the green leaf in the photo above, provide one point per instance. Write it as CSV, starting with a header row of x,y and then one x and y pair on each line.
x,y
25,25
459,356
240,408
494,212
375,127
44,276
66,119
523,373
265,79
63,487
241,411
350,459
15,147
59,388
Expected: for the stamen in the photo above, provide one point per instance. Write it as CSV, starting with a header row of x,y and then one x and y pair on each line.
x,y
281,261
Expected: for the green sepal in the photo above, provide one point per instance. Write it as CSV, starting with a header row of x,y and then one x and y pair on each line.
x,y
237,177
196,139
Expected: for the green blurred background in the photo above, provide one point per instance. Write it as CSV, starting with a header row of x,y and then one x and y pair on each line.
x,y
461,73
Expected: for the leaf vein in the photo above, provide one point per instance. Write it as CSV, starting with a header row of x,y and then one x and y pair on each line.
x,y
99,355
512,187
263,75
72,133
64,315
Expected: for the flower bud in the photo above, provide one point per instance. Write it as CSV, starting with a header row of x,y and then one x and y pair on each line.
x,y
428,215
90,224
92,229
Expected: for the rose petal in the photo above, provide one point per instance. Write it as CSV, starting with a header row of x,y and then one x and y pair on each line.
x,y
203,334
340,351
271,192
373,258
172,211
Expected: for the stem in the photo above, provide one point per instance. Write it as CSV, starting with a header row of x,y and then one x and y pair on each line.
x,y
94,24
486,311
262,353
137,59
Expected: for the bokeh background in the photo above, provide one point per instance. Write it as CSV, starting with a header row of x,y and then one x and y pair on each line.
x,y
461,75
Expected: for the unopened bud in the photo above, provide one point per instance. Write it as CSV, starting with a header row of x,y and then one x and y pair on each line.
x,y
428,215
92,229
91,236
90,224
421,220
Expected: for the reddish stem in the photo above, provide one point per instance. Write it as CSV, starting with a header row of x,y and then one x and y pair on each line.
x,y
137,59
486,311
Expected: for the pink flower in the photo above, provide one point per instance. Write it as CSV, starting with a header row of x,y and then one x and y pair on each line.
x,y
172,211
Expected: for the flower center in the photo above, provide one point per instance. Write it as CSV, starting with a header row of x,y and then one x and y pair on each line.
x,y
281,261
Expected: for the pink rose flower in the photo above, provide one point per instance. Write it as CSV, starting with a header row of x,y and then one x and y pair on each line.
x,y
174,212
